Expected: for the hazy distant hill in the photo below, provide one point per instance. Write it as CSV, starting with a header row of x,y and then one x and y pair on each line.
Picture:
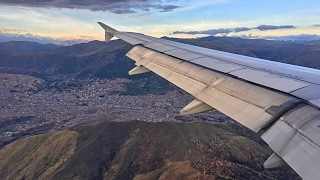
x,y
107,60
100,60
314,42
138,150
90,48
25,46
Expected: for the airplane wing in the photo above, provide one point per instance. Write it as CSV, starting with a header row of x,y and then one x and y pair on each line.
x,y
279,101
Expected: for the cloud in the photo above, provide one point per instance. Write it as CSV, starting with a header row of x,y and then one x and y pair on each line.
x,y
115,6
4,37
240,29
301,37
166,8
209,32
225,31
217,31
13,31
122,11
316,25
272,27
213,32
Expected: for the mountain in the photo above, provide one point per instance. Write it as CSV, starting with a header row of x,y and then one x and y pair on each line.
x,y
314,42
107,60
139,150
95,57
26,46
86,49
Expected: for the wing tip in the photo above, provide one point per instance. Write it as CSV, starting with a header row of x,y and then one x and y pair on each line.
x,y
107,28
109,31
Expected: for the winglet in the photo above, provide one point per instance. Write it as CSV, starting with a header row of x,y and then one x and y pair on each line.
x,y
109,31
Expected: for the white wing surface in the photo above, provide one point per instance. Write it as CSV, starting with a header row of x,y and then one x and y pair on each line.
x,y
277,100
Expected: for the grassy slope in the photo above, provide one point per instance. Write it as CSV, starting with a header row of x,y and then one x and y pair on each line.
x,y
138,150
37,157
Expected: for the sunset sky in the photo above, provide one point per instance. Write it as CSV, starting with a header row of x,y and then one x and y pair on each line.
x,y
54,21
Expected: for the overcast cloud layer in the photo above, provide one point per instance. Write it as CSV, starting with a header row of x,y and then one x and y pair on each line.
x,y
213,32
115,6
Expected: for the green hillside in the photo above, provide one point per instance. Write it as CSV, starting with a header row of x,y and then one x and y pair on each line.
x,y
139,150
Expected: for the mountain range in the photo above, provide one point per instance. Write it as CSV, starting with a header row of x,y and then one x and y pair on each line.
x,y
107,60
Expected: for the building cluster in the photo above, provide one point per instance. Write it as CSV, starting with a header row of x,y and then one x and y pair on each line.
x,y
96,98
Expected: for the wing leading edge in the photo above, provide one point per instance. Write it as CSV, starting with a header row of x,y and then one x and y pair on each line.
x,y
267,97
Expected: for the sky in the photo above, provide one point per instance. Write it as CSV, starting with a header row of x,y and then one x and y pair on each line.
x,y
67,22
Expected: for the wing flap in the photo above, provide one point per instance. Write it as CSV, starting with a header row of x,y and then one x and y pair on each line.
x,y
242,101
295,139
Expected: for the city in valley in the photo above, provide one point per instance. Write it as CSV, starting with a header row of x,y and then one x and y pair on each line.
x,y
28,103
